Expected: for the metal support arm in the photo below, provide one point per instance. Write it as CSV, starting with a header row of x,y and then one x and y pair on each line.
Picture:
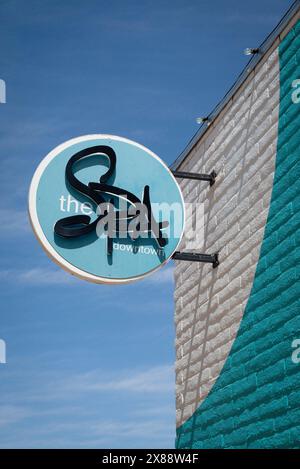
x,y
201,177
195,257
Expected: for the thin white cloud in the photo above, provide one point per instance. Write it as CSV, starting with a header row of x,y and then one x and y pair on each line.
x,y
149,419
162,276
166,410
12,414
56,385
96,433
14,222
37,276
134,429
157,379
29,132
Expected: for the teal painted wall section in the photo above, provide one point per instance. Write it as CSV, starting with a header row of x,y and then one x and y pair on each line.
x,y
255,402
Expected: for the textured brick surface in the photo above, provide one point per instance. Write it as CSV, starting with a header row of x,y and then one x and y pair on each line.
x,y
236,385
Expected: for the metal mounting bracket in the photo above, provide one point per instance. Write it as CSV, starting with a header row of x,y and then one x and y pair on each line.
x,y
195,257
201,177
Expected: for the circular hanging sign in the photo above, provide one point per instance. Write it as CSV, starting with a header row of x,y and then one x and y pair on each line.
x,y
106,209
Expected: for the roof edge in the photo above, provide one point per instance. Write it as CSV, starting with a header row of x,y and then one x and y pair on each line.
x,y
253,62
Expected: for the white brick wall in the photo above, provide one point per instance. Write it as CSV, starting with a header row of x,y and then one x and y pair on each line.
x,y
240,145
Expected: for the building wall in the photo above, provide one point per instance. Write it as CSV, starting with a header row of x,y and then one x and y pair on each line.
x,y
236,384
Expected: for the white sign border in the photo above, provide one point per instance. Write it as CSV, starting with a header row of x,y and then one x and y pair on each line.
x,y
37,229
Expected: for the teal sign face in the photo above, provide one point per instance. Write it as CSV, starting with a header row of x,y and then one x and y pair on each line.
x,y
106,209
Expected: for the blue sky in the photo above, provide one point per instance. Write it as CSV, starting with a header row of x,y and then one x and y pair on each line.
x,y
91,366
